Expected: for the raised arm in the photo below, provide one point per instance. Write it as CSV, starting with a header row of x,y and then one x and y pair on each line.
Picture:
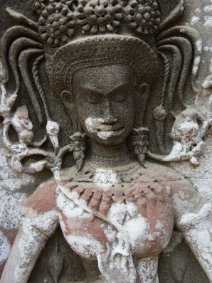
x,y
38,222
194,219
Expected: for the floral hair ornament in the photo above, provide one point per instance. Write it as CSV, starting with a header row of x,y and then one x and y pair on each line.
x,y
60,21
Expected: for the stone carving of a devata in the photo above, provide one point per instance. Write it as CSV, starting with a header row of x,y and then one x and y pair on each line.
x,y
119,67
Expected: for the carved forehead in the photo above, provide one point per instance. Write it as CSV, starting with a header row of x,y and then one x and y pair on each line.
x,y
101,51
104,78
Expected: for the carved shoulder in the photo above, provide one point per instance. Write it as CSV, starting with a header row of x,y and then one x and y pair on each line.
x,y
186,199
43,199
156,172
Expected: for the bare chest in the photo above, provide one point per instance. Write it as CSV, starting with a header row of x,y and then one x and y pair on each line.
x,y
92,219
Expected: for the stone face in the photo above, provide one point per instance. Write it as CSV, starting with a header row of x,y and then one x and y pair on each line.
x,y
89,91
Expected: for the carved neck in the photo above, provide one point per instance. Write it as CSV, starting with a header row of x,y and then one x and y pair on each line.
x,y
108,156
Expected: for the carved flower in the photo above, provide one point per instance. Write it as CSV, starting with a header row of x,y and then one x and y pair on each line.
x,y
143,16
39,5
56,24
98,16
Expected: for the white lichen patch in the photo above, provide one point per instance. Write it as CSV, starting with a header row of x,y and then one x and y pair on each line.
x,y
4,248
10,209
71,204
9,179
192,218
198,233
148,270
120,213
69,208
137,231
93,124
86,245
103,130
208,21
44,223
127,218
104,178
36,229
194,20
208,9
29,248
105,135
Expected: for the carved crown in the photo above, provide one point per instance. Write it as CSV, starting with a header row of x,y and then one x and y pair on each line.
x,y
62,20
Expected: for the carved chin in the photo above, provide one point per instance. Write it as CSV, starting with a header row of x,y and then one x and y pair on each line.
x,y
107,135
97,130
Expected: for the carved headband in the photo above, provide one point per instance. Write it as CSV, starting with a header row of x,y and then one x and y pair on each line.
x,y
100,50
62,20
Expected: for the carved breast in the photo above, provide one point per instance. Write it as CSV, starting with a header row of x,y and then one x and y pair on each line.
x,y
92,219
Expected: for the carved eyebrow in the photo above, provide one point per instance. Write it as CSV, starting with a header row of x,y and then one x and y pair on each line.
x,y
119,87
91,90
99,92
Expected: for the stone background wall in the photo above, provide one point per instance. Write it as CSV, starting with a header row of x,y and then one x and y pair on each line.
x,y
14,187
200,17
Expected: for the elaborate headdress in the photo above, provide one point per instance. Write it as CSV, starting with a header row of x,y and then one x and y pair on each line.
x,y
64,21
83,32
61,20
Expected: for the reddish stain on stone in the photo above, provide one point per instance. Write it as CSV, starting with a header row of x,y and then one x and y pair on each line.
x,y
92,227
64,219
44,198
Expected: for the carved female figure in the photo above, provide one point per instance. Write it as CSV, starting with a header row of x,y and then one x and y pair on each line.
x,y
112,207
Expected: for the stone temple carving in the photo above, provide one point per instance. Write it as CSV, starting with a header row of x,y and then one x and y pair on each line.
x,y
103,61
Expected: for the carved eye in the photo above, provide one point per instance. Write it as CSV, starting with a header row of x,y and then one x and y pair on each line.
x,y
92,98
120,97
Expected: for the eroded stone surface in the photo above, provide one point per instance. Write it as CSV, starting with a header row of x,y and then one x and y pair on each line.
x,y
111,203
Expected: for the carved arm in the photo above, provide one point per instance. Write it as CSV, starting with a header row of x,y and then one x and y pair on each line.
x,y
36,227
198,233
194,219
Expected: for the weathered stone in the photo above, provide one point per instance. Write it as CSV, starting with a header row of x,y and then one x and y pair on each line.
x,y
126,74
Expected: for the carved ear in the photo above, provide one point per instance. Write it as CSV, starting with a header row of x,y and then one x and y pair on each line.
x,y
144,90
67,98
142,97
69,102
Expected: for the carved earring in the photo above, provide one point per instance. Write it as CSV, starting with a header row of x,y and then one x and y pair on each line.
x,y
70,106
140,142
78,141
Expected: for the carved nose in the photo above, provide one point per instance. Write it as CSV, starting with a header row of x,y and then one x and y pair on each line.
x,y
109,118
